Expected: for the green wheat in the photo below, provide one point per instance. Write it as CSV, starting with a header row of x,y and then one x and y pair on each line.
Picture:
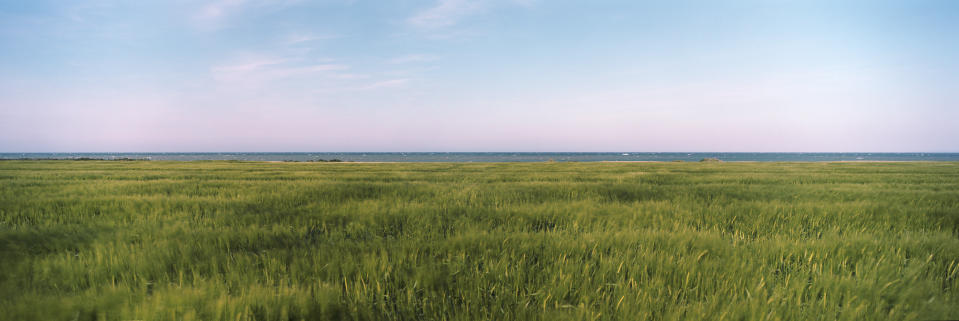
x,y
101,240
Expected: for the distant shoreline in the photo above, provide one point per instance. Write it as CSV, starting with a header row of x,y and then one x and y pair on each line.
x,y
466,157
459,162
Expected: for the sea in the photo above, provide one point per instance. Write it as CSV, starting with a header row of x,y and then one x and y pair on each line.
x,y
498,157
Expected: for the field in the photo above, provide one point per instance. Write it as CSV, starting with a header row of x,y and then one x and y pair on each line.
x,y
122,240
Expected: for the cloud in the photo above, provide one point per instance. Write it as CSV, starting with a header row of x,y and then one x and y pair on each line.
x,y
294,39
349,76
525,3
215,11
413,58
387,84
445,13
256,71
214,14
250,65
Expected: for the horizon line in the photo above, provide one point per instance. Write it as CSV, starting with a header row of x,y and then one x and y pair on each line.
x,y
490,152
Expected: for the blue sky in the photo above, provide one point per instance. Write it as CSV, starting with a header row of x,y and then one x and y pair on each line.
x,y
485,75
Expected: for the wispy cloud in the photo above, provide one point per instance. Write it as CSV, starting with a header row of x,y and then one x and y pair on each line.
x,y
215,14
445,13
212,14
525,3
257,71
387,84
300,38
249,65
413,58
341,75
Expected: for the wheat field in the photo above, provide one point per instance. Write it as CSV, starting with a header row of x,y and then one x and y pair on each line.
x,y
217,240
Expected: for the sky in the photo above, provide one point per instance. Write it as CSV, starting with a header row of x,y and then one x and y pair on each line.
x,y
483,75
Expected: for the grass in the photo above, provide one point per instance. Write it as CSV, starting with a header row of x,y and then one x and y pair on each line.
x,y
102,240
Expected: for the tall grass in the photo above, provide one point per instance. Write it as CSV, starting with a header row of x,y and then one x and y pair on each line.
x,y
630,241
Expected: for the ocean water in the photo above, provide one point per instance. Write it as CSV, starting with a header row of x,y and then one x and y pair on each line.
x,y
503,157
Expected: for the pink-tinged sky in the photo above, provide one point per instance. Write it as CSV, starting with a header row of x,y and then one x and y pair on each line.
x,y
485,75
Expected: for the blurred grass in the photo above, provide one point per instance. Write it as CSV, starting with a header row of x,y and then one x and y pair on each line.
x,y
529,241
